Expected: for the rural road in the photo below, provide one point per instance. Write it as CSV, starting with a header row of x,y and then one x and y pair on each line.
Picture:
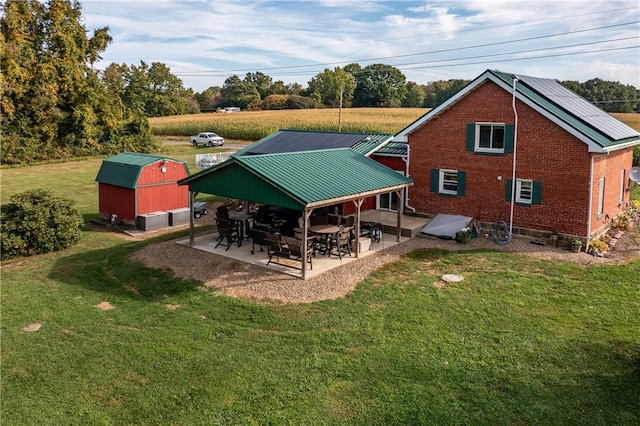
x,y
231,146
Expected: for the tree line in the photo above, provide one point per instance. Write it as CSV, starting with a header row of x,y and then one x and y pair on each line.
x,y
56,105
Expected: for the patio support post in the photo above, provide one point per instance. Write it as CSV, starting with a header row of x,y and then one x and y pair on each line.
x,y
191,198
358,203
399,216
305,240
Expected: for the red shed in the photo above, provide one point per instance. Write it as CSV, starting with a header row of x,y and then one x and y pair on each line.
x,y
131,185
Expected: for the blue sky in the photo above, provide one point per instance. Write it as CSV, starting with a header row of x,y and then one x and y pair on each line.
x,y
204,42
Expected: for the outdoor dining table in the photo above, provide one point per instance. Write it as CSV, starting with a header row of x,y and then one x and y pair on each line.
x,y
325,231
243,220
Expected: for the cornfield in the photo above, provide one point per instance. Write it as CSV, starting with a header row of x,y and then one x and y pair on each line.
x,y
254,125
631,119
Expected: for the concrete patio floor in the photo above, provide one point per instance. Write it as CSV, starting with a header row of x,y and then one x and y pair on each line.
x,y
321,263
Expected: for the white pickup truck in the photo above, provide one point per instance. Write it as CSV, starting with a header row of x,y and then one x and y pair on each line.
x,y
207,138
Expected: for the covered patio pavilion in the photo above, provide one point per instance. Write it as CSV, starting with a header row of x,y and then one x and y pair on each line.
x,y
301,181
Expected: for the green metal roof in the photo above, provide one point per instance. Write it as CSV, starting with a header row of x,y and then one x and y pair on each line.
x,y
306,140
371,143
394,149
124,169
297,180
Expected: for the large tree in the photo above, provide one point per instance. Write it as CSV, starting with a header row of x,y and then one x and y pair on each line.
x,y
379,85
155,92
610,96
238,93
262,82
414,97
54,105
439,91
333,88
209,98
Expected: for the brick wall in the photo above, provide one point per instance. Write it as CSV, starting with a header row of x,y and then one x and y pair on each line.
x,y
545,153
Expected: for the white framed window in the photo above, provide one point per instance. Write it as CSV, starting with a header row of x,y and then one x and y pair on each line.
x,y
448,182
489,137
524,191
601,198
622,176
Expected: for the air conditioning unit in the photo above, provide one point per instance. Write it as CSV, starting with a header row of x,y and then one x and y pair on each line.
x,y
150,221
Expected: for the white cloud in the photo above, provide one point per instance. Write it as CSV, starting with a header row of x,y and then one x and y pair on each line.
x,y
221,38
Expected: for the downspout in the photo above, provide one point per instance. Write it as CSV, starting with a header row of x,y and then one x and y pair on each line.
x,y
515,144
590,209
406,173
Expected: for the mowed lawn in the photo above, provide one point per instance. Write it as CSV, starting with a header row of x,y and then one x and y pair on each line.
x,y
519,341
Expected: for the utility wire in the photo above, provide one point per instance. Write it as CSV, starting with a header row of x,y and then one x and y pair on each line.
x,y
421,66
489,27
226,72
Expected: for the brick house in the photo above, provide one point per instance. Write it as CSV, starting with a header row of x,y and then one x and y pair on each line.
x,y
570,159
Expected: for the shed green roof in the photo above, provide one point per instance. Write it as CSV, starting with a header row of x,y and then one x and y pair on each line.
x,y
298,180
124,169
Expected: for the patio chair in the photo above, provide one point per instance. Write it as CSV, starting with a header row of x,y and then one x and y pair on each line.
x,y
334,219
259,236
348,221
276,248
223,212
341,242
228,232
294,246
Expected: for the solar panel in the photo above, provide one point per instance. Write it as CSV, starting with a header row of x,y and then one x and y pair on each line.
x,y
580,107
298,141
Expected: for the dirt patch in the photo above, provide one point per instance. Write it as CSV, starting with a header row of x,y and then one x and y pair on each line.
x,y
32,327
105,306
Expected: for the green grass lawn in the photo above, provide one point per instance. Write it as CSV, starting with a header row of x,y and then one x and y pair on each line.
x,y
519,341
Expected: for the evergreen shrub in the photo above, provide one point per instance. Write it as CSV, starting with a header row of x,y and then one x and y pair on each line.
x,y
37,222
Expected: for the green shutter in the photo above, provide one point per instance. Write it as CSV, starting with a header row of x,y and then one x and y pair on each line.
x,y
509,131
509,188
435,176
536,196
471,136
461,182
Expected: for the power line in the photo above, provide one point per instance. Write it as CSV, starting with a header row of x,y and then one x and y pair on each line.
x,y
421,66
226,72
527,23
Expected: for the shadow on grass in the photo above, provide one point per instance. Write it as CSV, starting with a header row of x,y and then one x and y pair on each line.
x,y
110,270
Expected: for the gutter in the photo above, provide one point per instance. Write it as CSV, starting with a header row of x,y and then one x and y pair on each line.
x,y
590,209
621,146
